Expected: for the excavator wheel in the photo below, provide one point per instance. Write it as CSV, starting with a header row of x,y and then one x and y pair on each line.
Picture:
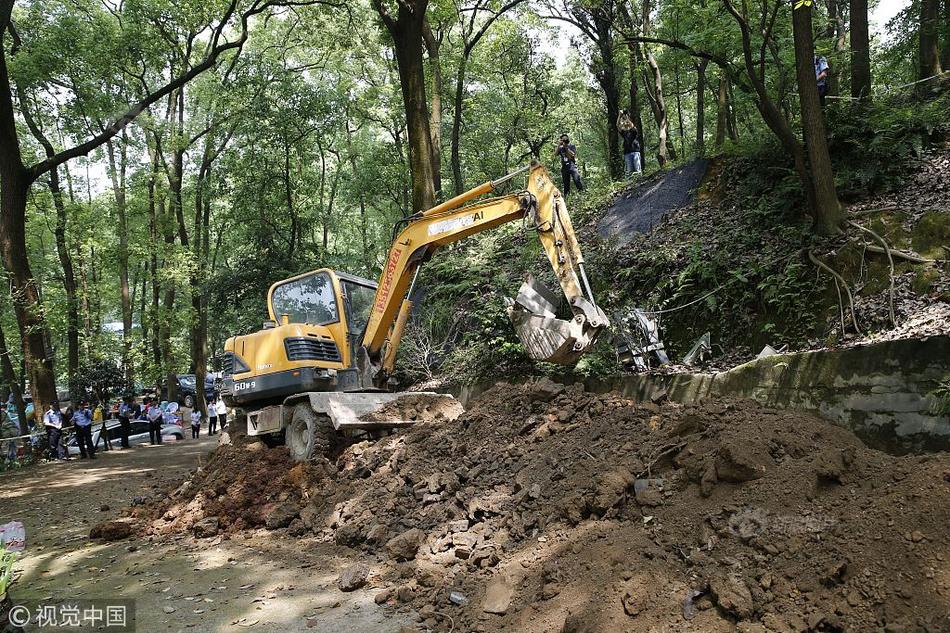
x,y
310,434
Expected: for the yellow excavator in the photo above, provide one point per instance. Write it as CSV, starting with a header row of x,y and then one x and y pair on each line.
x,y
319,368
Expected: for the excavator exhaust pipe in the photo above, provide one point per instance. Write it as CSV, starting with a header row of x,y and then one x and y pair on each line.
x,y
546,337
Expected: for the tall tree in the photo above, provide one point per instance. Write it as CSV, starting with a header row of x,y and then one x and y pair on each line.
x,y
634,60
405,29
433,41
16,178
655,93
117,173
471,33
829,215
62,247
929,39
701,106
860,51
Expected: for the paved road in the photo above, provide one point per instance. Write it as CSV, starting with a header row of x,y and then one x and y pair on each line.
x,y
288,584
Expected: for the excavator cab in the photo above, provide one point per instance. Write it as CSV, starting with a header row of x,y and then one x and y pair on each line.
x,y
308,343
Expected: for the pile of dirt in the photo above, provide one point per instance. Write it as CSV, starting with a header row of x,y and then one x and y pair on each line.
x,y
243,485
417,407
548,508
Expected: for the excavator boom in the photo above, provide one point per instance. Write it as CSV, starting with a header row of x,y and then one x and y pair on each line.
x,y
544,336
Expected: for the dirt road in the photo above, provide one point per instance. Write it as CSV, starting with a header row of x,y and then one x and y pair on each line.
x,y
251,582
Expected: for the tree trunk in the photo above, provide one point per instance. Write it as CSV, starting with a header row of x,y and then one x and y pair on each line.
x,y
368,251
658,104
929,28
945,37
605,70
117,173
199,304
657,100
679,108
10,380
457,180
701,107
69,278
433,44
827,211
836,30
860,51
634,68
406,32
722,104
732,126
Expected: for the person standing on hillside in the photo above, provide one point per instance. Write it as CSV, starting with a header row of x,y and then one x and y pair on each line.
x,y
567,152
53,421
631,143
821,77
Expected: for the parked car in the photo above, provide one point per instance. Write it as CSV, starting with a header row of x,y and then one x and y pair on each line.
x,y
187,389
138,434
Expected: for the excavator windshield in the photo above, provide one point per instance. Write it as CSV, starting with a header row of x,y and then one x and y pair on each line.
x,y
359,300
306,299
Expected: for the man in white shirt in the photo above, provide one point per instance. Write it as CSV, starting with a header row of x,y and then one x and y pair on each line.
x,y
53,421
222,410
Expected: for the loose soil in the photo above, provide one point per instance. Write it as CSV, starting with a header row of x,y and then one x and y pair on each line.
x,y
545,508
252,582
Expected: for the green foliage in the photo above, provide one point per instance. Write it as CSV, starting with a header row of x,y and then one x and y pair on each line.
x,y
872,146
940,398
99,381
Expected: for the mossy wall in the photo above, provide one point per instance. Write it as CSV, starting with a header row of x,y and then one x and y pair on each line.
x,y
881,392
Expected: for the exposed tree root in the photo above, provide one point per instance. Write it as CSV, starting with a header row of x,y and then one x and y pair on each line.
x,y
890,260
847,288
911,257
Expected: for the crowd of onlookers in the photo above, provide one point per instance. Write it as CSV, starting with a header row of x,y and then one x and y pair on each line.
x,y
93,425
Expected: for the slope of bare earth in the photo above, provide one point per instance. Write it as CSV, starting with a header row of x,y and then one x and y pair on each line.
x,y
546,508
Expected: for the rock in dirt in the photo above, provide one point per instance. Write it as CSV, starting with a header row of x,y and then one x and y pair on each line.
x,y
543,390
742,462
281,516
630,604
353,577
406,545
206,528
111,531
498,596
732,595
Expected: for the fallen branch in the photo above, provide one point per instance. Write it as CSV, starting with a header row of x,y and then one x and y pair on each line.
x,y
890,260
847,288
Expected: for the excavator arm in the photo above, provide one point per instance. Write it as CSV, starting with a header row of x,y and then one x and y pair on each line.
x,y
533,311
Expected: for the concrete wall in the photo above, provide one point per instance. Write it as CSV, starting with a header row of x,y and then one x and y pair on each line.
x,y
879,391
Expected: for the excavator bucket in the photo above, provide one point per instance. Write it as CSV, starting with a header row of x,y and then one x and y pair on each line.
x,y
381,410
546,337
